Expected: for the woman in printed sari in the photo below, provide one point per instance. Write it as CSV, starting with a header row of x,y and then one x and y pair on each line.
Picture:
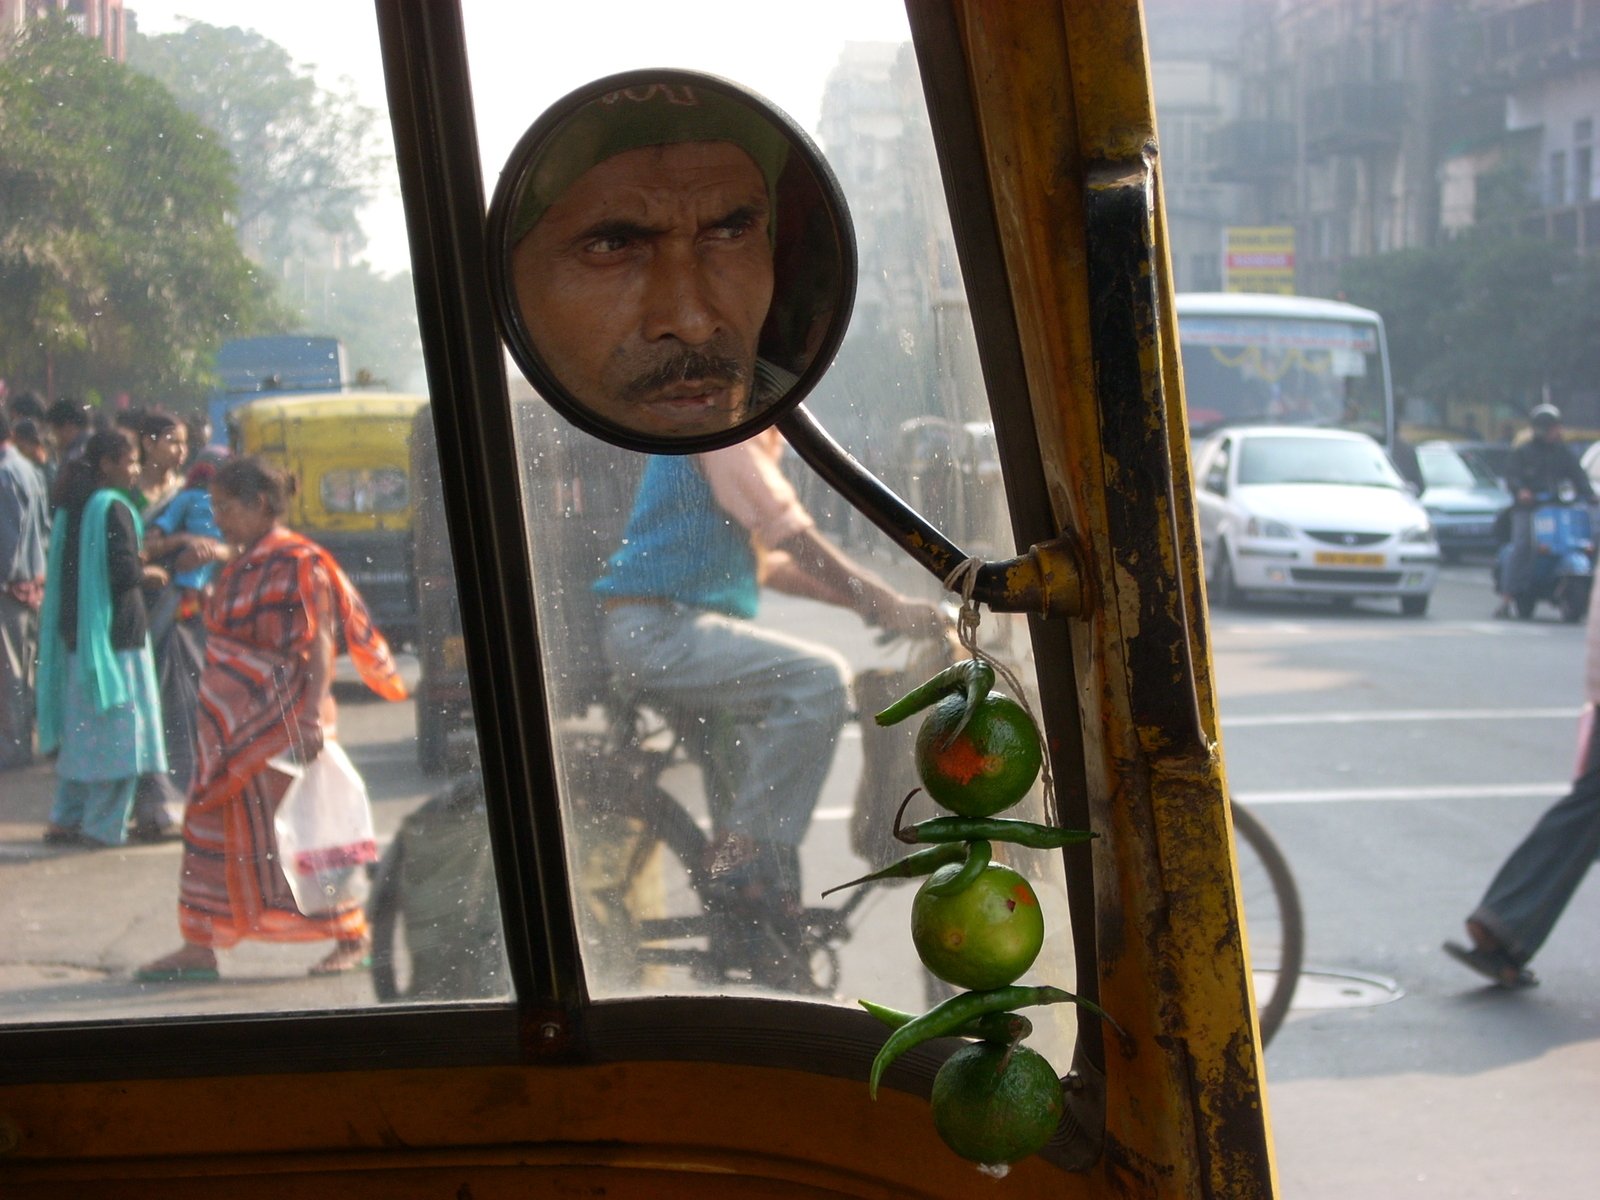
x,y
98,703
273,624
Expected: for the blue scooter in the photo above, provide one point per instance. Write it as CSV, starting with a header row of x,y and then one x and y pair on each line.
x,y
1562,571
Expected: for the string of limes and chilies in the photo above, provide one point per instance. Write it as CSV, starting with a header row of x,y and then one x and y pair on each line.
x,y
976,923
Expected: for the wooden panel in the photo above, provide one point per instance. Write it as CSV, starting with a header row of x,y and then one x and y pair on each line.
x,y
759,1131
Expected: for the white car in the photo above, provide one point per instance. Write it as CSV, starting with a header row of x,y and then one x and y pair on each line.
x,y
1318,512
1590,461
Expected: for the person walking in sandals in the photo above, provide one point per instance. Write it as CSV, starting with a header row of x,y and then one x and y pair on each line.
x,y
1531,890
273,621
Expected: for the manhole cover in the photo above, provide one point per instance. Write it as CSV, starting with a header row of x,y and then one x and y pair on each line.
x,y
1343,989
26,974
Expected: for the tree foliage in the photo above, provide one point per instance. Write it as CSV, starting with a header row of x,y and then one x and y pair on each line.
x,y
1486,318
305,158
119,269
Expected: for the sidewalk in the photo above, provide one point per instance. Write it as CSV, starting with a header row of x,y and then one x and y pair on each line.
x,y
25,797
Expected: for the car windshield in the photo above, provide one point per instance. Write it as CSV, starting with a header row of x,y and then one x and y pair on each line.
x,y
1315,460
1443,467
1489,461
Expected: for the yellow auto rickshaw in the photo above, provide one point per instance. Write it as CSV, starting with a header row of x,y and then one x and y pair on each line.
x,y
349,452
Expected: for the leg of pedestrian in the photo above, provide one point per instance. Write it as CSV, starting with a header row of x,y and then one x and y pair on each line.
x,y
1534,884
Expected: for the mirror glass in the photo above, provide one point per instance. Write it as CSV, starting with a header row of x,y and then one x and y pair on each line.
x,y
672,259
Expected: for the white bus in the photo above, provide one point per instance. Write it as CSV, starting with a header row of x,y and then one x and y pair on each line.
x,y
1251,358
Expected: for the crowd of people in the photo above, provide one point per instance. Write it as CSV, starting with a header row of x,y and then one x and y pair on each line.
x,y
114,508
170,645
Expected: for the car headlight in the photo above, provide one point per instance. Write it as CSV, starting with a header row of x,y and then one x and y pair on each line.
x,y
1264,527
1417,533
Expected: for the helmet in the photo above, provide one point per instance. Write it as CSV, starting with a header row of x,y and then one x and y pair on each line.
x,y
1544,415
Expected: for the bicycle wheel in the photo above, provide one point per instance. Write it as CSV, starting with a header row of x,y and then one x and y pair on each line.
x,y
391,975
433,912
1274,925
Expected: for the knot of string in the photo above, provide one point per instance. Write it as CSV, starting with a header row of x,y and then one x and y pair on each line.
x,y
963,580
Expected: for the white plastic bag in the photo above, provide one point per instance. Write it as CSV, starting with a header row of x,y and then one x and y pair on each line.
x,y
324,828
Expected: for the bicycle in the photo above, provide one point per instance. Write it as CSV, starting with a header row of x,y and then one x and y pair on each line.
x,y
1274,922
442,941
432,910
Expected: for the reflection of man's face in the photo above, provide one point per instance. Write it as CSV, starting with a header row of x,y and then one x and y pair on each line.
x,y
645,286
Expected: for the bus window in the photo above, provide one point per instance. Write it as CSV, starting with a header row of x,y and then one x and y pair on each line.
x,y
650,778
1283,359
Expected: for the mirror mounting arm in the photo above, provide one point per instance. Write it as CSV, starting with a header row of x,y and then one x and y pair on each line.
x,y
1045,581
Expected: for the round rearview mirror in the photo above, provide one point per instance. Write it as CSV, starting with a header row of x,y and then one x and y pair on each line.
x,y
672,260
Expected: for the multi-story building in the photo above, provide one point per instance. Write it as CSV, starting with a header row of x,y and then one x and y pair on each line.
x,y
1376,125
874,131
102,20
1195,75
1529,100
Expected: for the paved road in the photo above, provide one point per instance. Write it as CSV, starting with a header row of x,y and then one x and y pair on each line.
x,y
1397,761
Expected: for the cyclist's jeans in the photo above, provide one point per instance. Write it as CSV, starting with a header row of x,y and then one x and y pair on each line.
x,y
784,700
1518,574
1533,886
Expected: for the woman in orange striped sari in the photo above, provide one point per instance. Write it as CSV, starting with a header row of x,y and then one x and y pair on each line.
x,y
273,624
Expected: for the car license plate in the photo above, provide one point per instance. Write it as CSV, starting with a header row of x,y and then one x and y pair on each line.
x,y
1329,559
455,654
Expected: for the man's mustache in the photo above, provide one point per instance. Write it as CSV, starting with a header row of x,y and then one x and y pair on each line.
x,y
687,364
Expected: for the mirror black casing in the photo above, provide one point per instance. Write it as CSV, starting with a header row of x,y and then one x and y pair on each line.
x,y
789,260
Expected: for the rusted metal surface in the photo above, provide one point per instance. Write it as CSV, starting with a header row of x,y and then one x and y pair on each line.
x,y
1071,144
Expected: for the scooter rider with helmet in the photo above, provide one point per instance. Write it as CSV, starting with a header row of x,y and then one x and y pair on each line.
x,y
1537,469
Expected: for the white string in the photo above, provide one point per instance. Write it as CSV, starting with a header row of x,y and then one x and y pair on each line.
x,y
963,580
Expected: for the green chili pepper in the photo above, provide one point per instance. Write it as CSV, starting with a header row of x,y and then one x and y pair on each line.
x,y
912,866
978,855
944,1019
972,676
1001,1027
993,829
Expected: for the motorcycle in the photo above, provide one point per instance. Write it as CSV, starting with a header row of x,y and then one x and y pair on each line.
x,y
1562,570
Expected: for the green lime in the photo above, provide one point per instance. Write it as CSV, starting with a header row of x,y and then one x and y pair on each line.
x,y
986,935
985,768
993,1104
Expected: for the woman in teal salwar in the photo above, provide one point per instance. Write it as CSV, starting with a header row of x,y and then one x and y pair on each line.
x,y
98,699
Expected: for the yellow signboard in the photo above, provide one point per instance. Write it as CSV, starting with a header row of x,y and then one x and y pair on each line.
x,y
1259,258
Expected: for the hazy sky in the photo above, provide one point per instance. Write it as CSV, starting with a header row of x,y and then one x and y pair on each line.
x,y
524,55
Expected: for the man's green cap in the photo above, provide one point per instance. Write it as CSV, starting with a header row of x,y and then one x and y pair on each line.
x,y
650,114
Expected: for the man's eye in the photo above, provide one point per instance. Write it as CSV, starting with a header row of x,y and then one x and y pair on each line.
x,y
731,230
609,244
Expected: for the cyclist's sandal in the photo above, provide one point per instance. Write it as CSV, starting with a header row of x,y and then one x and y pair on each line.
x,y
1494,964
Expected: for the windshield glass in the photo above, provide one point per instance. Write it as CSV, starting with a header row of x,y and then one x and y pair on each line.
x,y
1250,368
716,779
1443,467
227,181
1314,460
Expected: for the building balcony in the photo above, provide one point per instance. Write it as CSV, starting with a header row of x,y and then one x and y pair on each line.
x,y
1244,151
1354,116
1532,42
